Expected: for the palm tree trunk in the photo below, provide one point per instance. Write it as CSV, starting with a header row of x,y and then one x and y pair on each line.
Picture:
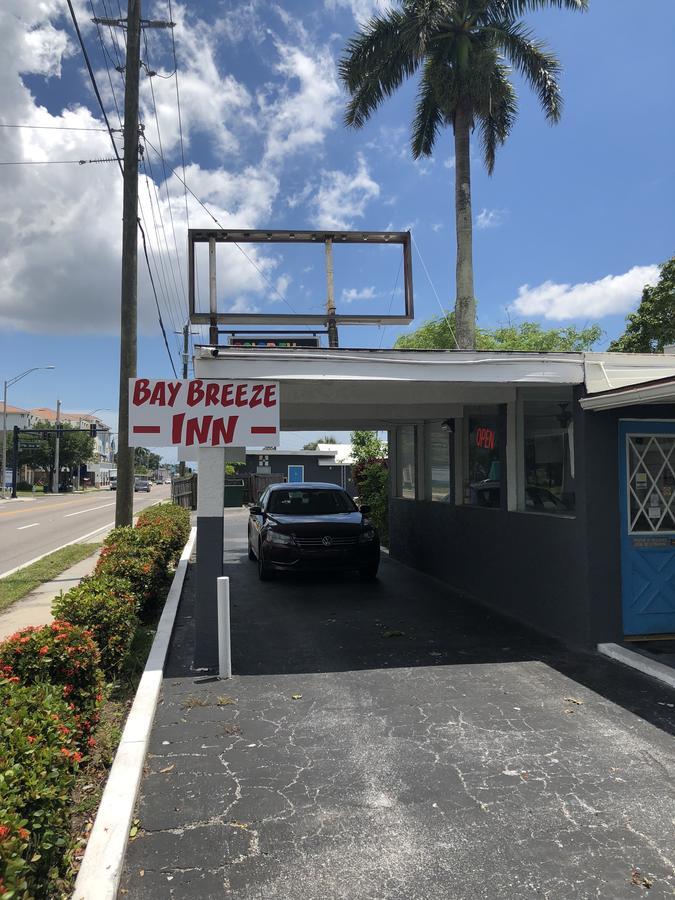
x,y
465,303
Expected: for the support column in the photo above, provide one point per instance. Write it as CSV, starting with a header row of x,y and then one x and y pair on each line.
x,y
210,481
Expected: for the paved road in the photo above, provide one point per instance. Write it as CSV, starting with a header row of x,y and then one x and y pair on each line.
x,y
29,529
387,741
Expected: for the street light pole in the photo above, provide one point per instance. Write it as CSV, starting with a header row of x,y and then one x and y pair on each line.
x,y
57,449
8,383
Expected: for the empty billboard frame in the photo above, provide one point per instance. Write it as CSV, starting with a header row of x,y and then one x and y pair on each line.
x,y
214,236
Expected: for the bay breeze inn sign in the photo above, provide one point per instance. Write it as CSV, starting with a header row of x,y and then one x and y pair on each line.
x,y
203,413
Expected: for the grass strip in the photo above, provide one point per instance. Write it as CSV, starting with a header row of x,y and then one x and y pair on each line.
x,y
16,586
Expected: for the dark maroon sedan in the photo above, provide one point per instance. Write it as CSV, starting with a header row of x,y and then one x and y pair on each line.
x,y
311,526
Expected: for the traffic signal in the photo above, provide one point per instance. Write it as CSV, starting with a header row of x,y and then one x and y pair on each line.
x,y
92,430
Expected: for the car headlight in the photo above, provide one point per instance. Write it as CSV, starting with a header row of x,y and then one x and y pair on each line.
x,y
367,536
277,537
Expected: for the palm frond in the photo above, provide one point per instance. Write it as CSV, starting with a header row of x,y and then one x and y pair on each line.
x,y
428,115
498,116
536,63
513,9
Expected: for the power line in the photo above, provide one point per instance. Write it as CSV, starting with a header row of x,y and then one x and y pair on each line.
x,y
166,343
57,162
433,288
55,127
391,299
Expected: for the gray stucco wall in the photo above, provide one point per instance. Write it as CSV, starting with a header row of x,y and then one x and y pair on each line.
x,y
560,575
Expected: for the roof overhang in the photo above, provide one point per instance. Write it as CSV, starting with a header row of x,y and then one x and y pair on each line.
x,y
660,390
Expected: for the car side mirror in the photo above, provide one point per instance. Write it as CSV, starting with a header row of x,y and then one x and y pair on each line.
x,y
255,510
365,509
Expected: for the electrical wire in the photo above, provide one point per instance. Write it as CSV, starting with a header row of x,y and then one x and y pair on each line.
x,y
433,288
55,127
391,300
57,162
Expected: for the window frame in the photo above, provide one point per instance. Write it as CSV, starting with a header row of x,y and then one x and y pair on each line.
x,y
399,468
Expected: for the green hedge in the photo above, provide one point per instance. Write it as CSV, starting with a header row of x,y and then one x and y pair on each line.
x,y
106,607
38,761
51,687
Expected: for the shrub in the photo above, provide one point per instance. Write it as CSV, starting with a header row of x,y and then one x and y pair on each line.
x,y
165,526
126,554
23,486
107,608
38,758
372,480
64,655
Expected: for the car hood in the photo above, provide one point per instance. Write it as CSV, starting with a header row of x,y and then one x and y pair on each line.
x,y
340,523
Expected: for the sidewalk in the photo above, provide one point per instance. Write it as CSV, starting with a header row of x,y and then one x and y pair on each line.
x,y
388,741
36,608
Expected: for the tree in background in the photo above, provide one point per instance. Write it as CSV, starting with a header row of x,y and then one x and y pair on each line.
x,y
466,52
437,334
326,439
371,476
652,325
75,448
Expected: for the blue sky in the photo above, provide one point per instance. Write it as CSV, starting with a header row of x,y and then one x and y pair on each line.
x,y
569,228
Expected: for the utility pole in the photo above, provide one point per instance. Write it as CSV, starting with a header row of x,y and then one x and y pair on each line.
x,y
128,319
330,298
57,448
186,354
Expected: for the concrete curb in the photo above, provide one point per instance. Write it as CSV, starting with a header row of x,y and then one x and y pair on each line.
x,y
101,868
665,674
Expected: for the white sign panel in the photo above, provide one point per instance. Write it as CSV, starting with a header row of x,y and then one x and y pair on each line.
x,y
203,413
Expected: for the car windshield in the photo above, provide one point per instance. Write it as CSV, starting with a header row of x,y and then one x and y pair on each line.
x,y
310,502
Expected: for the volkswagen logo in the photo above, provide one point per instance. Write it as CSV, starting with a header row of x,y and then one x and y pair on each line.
x,y
327,540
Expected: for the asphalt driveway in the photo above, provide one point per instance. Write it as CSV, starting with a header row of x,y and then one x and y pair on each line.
x,y
389,741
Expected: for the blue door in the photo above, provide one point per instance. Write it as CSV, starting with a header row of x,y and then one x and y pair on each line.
x,y
647,503
296,474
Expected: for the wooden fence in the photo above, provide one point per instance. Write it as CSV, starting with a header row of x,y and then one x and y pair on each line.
x,y
184,491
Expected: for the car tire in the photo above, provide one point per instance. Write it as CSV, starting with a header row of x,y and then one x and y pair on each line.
x,y
251,554
369,573
264,571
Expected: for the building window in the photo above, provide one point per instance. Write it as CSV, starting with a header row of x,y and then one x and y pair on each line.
x,y
439,462
549,457
406,461
483,486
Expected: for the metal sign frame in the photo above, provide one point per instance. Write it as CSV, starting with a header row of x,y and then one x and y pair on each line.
x,y
212,236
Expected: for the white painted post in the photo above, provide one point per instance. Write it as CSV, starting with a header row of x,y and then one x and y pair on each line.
x,y
224,648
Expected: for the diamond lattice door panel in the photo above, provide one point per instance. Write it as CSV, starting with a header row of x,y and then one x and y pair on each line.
x,y
647,494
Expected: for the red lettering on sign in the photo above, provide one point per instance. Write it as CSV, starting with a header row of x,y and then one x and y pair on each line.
x,y
177,427
485,438
141,391
158,397
212,392
240,395
270,395
195,392
256,399
223,433
197,428
174,391
226,399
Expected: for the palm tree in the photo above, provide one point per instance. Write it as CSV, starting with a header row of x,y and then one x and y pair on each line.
x,y
466,50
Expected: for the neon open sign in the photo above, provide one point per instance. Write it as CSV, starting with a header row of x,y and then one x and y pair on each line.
x,y
485,438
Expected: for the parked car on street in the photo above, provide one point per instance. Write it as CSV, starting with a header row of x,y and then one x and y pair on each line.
x,y
311,526
113,482
142,484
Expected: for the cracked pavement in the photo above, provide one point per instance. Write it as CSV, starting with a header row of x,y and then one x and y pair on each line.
x,y
390,741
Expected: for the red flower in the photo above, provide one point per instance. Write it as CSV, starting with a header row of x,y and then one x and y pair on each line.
x,y
31,738
4,832
91,742
43,651
24,834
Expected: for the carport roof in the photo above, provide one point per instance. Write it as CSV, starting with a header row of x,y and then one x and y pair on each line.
x,y
362,388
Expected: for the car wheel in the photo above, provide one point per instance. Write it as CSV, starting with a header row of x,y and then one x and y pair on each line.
x,y
251,554
264,571
369,573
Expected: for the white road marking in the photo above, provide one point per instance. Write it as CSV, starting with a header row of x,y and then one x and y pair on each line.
x,y
90,509
35,559
21,527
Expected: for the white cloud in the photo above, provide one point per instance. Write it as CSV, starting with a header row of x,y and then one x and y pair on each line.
x,y
449,163
362,10
490,218
437,226
342,197
60,226
351,294
298,119
605,297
